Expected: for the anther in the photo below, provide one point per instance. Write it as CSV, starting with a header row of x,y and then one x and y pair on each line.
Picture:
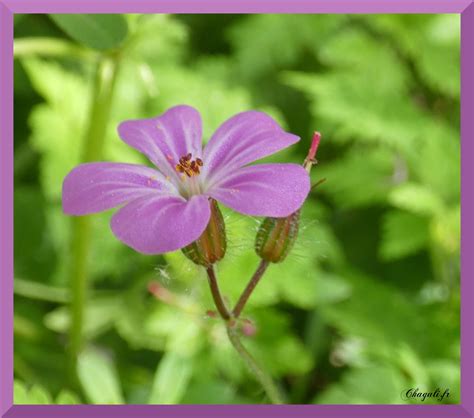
x,y
188,166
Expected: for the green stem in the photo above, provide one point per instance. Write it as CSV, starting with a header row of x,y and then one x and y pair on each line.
x,y
24,47
262,377
40,291
244,297
81,232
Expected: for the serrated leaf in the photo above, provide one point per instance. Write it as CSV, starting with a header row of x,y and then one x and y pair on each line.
x,y
372,298
352,182
438,59
284,38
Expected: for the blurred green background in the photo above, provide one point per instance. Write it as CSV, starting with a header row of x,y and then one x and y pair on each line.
x,y
367,304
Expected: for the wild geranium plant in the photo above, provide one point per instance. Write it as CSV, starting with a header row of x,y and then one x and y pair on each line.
x,y
175,205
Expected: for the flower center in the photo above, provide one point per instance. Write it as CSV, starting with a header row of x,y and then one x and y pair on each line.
x,y
189,170
189,167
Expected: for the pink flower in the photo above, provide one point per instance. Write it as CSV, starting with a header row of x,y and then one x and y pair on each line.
x,y
167,208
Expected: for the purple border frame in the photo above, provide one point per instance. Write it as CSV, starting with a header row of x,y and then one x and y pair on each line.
x,y
9,7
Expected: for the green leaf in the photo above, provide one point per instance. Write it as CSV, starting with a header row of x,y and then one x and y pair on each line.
x,y
34,252
39,395
403,234
66,397
445,373
352,184
438,61
99,378
275,346
284,38
417,199
378,384
400,320
331,288
171,379
36,395
99,315
207,390
57,125
101,31
157,38
20,393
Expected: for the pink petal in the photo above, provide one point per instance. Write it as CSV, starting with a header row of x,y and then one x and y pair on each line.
x,y
166,138
95,187
275,190
242,139
159,224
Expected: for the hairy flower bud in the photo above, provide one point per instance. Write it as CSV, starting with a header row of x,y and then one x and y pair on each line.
x,y
210,247
276,237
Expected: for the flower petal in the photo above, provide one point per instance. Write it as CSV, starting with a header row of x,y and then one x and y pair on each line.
x,y
159,224
166,138
95,187
242,139
275,190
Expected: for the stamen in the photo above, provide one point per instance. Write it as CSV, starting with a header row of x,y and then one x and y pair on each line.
x,y
189,166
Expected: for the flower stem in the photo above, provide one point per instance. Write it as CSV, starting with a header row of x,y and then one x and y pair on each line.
x,y
81,232
262,377
216,294
262,267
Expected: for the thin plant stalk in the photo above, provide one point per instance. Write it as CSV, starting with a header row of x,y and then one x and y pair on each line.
x,y
244,297
81,230
43,46
216,295
262,377
270,388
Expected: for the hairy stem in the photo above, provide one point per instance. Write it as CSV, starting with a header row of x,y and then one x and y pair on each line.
x,y
81,231
261,376
262,267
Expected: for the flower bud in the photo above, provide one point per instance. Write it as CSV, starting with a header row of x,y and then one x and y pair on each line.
x,y
210,247
276,237
248,328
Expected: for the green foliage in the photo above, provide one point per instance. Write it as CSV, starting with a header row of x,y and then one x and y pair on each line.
x,y
38,395
374,384
95,31
99,378
403,234
171,379
367,303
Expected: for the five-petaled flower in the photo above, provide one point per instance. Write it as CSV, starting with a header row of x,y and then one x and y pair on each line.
x,y
167,208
